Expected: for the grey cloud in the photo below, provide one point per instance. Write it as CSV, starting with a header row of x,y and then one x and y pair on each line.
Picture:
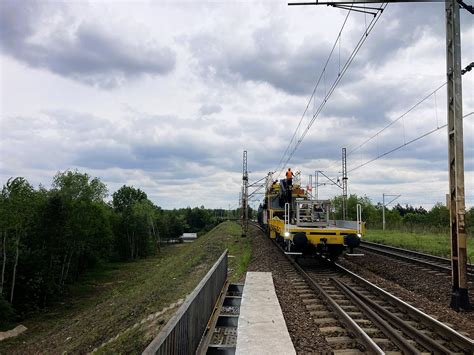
x,y
88,53
210,109
370,102
267,56
158,145
401,25
268,59
103,156
429,153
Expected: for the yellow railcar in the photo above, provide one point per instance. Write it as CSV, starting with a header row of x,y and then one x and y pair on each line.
x,y
302,225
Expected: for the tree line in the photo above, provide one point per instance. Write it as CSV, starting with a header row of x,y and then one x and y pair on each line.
x,y
50,237
407,218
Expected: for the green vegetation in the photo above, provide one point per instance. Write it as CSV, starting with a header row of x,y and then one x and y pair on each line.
x,y
109,301
50,238
406,226
431,243
403,218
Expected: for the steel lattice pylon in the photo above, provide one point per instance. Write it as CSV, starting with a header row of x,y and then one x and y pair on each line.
x,y
344,184
245,197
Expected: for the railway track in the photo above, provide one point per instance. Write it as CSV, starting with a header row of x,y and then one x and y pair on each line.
x,y
356,316
425,260
381,322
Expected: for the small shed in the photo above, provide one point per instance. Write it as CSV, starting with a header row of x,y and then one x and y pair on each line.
x,y
188,237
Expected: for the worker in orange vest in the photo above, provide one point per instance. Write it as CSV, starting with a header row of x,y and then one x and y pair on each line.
x,y
289,178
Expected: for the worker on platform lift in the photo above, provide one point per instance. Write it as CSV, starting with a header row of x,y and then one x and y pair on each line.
x,y
289,178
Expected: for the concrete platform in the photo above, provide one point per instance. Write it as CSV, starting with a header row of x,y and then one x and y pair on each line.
x,y
262,328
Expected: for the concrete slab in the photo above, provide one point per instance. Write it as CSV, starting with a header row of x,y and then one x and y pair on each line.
x,y
262,328
13,332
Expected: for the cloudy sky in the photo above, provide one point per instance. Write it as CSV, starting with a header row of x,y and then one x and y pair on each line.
x,y
165,96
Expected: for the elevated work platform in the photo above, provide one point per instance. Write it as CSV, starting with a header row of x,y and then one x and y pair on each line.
x,y
262,328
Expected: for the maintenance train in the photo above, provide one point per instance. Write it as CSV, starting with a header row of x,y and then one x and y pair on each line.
x,y
302,225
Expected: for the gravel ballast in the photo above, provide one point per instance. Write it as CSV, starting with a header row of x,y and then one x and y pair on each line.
x,y
304,333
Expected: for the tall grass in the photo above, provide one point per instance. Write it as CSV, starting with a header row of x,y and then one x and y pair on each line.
x,y
427,242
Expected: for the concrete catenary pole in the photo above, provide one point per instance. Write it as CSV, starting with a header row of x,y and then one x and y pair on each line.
x,y
459,297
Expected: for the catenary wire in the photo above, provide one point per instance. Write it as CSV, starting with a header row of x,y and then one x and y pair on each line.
x,y
464,71
403,145
314,90
334,85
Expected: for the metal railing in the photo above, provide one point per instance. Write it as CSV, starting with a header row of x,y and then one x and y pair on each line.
x,y
183,332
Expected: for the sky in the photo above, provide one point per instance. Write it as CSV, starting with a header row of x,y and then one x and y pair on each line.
x,y
166,95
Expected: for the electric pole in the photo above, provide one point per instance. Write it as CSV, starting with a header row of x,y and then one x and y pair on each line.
x,y
344,185
457,211
245,192
316,184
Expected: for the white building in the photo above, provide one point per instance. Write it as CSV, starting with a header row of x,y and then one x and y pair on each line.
x,y
188,237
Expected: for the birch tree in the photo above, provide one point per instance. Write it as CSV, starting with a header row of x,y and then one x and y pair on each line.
x,y
17,196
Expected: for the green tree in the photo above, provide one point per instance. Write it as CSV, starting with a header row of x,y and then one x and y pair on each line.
x,y
85,232
144,215
125,197
76,186
17,199
370,213
438,218
134,211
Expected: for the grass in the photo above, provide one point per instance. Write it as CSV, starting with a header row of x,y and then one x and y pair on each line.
x,y
431,243
108,305
243,263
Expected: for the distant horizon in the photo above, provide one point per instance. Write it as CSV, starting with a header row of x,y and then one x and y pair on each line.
x,y
233,206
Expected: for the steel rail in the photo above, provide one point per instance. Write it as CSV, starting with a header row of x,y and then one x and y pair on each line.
x,y
412,252
432,261
357,330
457,338
383,325
430,344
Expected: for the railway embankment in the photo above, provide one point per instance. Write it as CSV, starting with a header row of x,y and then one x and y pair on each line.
x,y
123,307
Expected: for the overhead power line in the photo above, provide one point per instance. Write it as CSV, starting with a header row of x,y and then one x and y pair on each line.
x,y
315,88
346,66
464,71
404,145
467,69
398,119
